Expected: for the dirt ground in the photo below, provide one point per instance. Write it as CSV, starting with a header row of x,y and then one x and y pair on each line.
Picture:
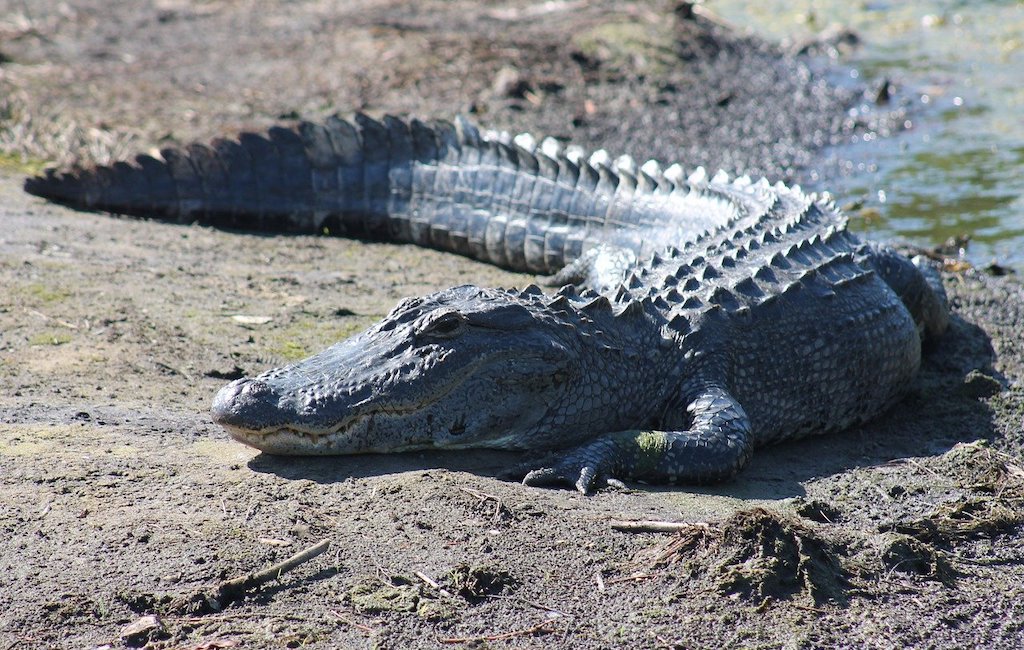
x,y
124,511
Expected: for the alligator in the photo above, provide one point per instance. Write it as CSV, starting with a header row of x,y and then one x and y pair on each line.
x,y
698,316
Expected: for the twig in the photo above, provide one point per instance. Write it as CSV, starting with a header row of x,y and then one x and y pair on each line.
x,y
238,617
499,505
62,323
540,627
635,576
651,526
427,579
432,583
711,16
808,608
230,590
927,470
359,626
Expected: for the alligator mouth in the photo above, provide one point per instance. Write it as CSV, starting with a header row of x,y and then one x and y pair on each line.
x,y
352,434
293,441
309,440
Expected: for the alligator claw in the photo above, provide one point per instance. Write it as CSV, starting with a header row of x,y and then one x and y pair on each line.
x,y
585,479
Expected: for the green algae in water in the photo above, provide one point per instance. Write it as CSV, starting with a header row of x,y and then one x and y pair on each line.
x,y
959,169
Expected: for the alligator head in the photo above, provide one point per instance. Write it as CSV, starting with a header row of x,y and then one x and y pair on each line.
x,y
462,367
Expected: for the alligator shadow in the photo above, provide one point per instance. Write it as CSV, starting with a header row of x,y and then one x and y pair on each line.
x,y
333,469
941,410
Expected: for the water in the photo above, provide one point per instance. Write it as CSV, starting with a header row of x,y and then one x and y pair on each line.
x,y
959,169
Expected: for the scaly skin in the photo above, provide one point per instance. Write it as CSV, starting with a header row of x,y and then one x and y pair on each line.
x,y
705,316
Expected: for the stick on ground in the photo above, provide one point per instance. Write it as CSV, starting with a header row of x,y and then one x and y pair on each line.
x,y
650,526
230,590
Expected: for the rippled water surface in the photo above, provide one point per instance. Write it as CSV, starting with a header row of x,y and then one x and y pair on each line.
x,y
959,65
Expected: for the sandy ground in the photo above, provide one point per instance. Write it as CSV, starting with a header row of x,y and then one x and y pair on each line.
x,y
124,509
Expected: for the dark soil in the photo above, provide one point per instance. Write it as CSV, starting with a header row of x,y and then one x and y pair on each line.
x,y
124,509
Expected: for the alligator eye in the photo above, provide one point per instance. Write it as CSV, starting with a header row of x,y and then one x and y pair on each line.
x,y
445,326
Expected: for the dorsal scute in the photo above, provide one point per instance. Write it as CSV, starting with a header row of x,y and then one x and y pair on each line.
x,y
468,133
683,270
587,176
547,167
693,302
748,288
765,274
724,298
625,164
576,154
531,290
551,147
560,303
721,177
568,172
568,291
698,177
676,175
627,182
600,158
525,141
679,322
600,304
507,156
527,161
628,309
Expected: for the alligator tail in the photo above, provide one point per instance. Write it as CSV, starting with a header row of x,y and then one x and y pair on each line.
x,y
340,177
508,201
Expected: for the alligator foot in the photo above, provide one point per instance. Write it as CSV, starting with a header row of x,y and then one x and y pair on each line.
x,y
586,468
716,445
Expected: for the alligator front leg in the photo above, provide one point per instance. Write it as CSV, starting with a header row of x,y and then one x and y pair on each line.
x,y
715,447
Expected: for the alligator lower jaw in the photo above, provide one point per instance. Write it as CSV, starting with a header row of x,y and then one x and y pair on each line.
x,y
279,441
288,441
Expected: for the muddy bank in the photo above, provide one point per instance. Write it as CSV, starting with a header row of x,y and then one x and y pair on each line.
x,y
120,501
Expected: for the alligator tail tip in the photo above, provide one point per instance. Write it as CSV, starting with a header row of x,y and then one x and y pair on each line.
x,y
67,188
49,186
38,185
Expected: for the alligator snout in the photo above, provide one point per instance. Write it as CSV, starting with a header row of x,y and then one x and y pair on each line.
x,y
247,404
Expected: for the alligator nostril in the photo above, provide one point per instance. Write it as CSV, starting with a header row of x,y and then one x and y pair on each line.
x,y
234,402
